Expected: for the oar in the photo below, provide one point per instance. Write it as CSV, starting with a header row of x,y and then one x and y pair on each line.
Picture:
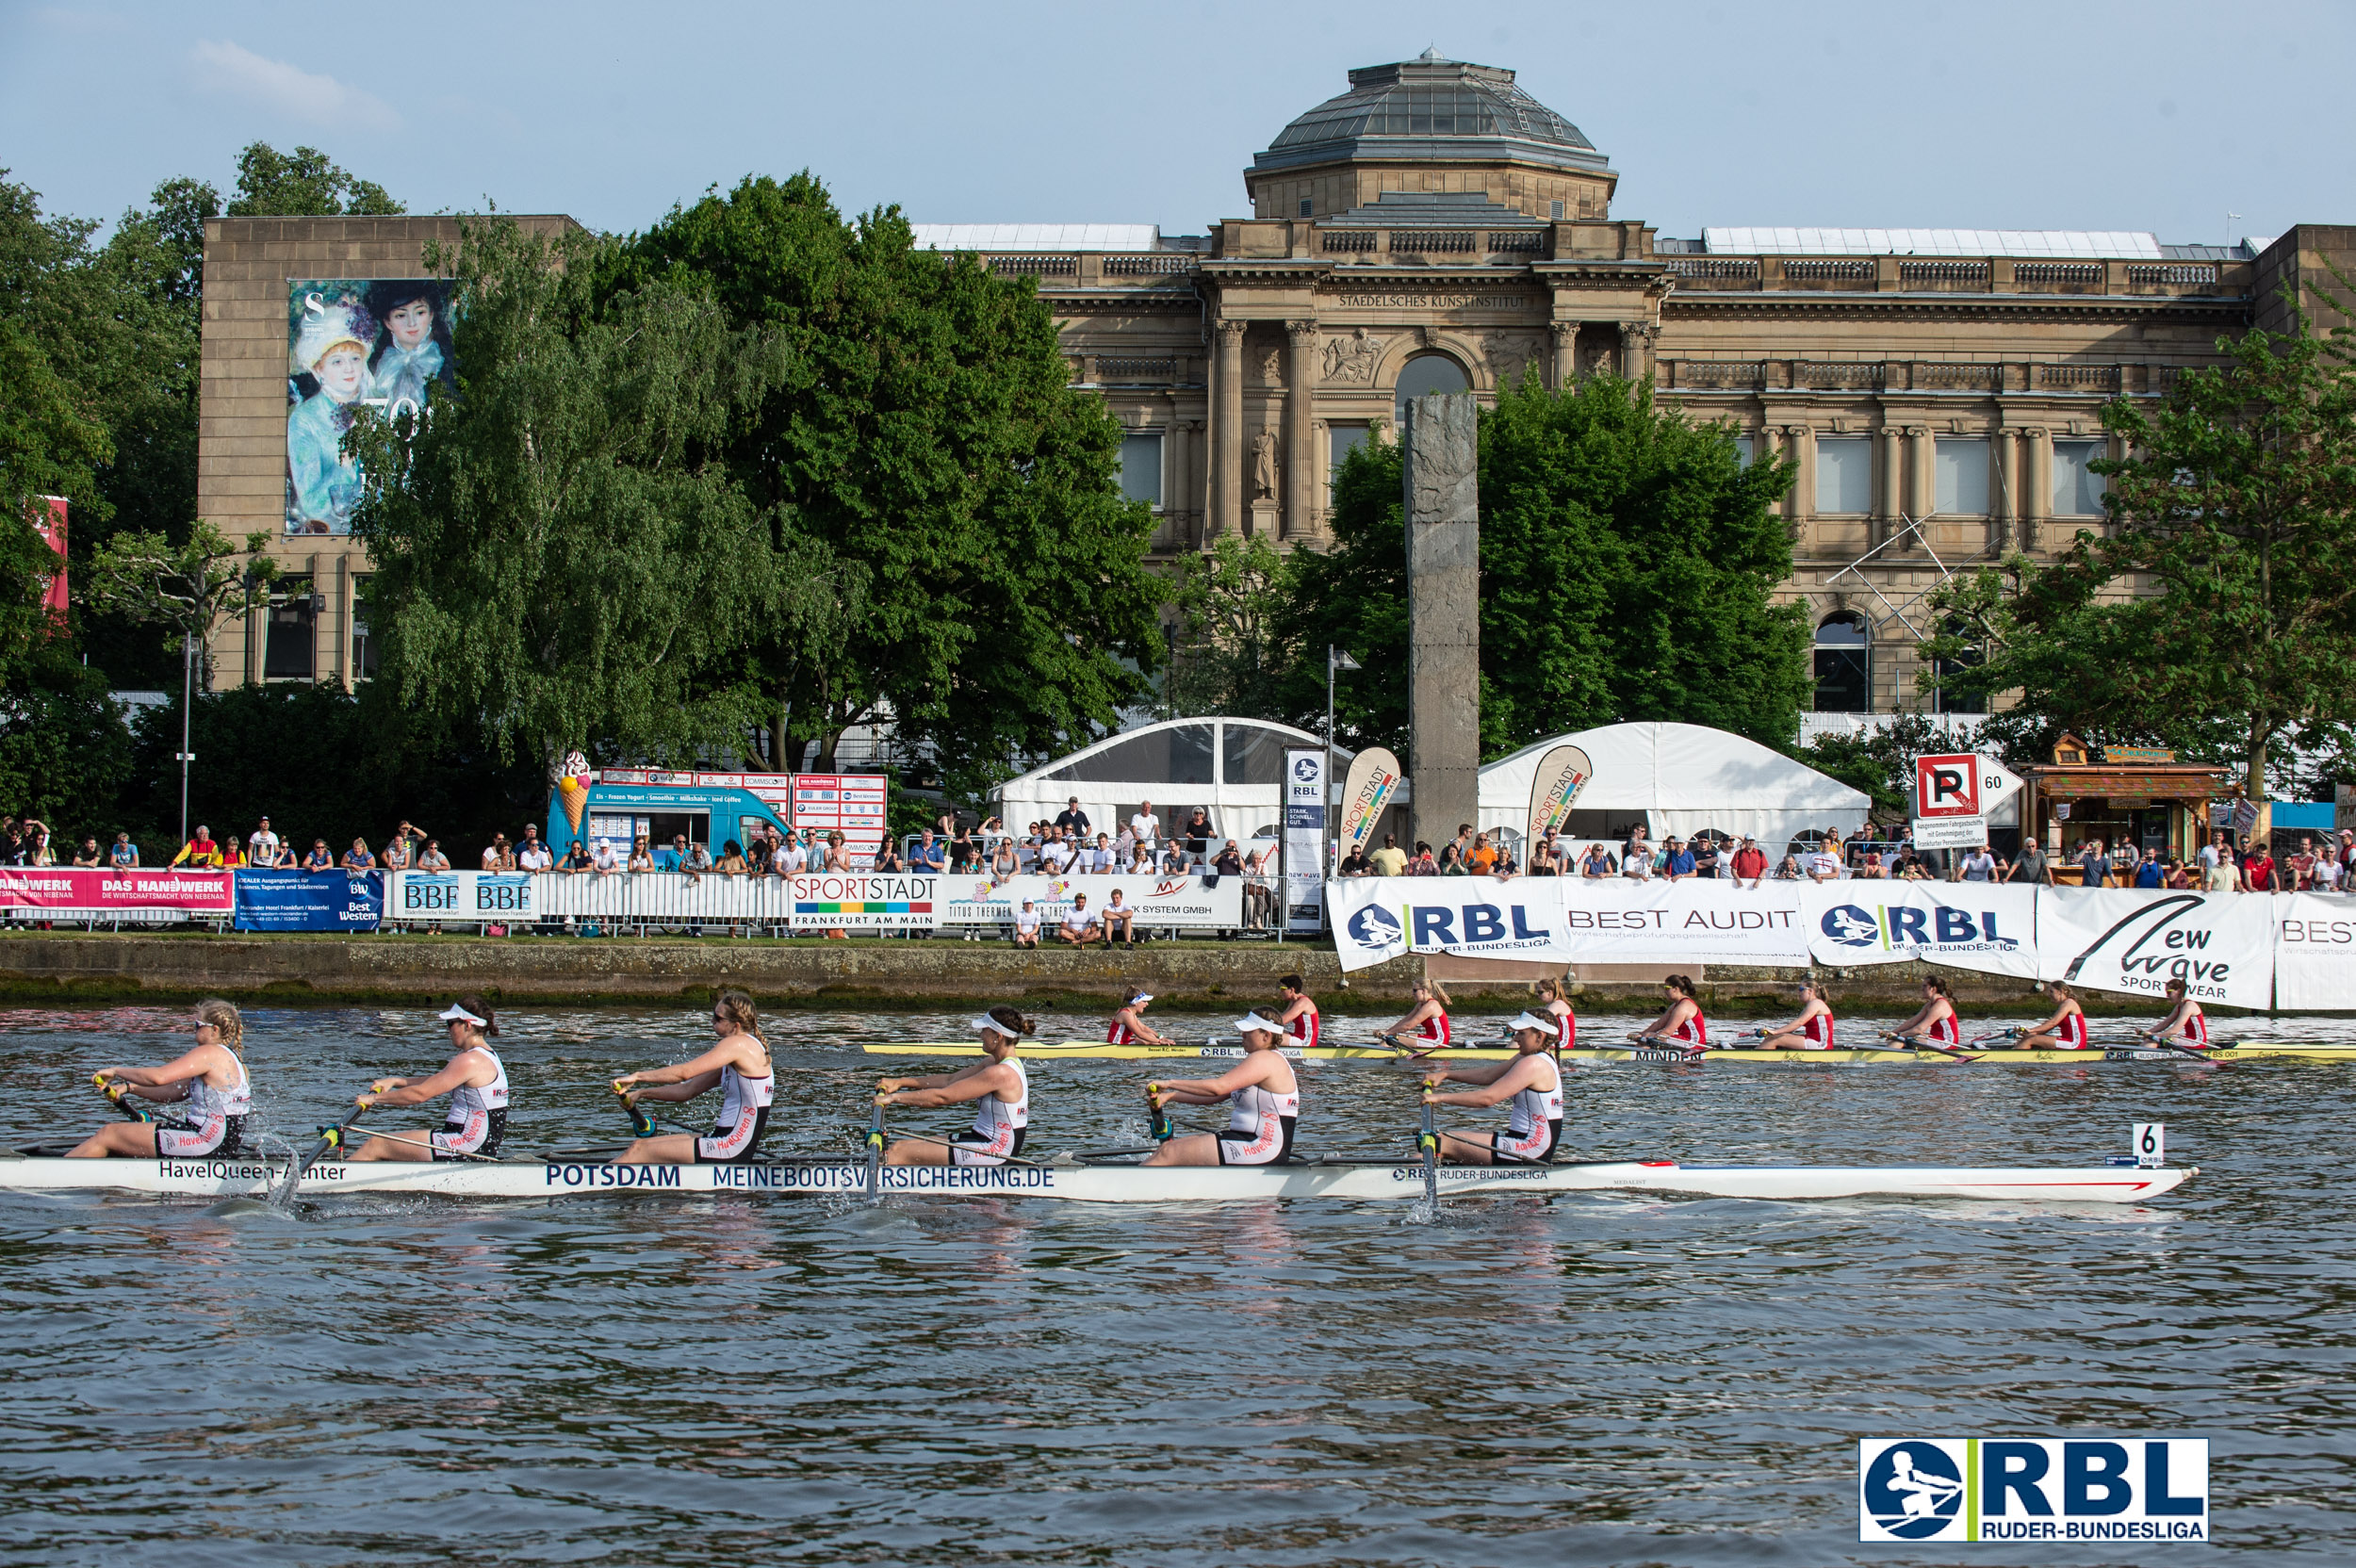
x,y
1158,1126
1909,1042
1694,1050
428,1145
1428,1141
118,1095
946,1143
643,1122
329,1137
2144,1040
876,1151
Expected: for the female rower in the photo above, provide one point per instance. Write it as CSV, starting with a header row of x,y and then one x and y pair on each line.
x,y
739,1066
474,1078
1002,1117
1555,994
2065,1031
1935,1022
1300,1017
1682,1021
1427,1020
1811,1030
208,1081
1533,1081
1129,1026
2185,1023
1264,1096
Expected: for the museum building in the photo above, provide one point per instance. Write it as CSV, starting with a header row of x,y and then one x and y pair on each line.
x,y
1434,228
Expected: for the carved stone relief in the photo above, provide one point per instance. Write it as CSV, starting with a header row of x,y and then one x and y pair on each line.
x,y
1353,358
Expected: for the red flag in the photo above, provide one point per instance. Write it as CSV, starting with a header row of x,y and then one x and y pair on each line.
x,y
47,515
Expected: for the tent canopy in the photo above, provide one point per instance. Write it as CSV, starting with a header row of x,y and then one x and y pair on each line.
x,y
1678,778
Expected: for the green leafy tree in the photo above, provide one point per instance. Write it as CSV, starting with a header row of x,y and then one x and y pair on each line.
x,y
560,556
2218,608
1223,648
305,183
1628,568
924,430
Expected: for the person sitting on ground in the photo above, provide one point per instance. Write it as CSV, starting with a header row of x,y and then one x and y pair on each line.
x,y
1119,918
199,853
122,854
88,855
357,857
576,861
1026,925
430,857
320,857
1080,926
1811,1031
1390,861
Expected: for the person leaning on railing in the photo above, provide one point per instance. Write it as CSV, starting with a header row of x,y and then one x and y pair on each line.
x,y
199,853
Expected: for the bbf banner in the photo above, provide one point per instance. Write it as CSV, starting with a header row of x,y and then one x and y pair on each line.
x,y
1304,841
2144,1489
2221,945
309,900
1987,926
433,897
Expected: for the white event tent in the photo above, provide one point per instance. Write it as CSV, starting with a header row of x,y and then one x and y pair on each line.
x,y
1678,778
1232,768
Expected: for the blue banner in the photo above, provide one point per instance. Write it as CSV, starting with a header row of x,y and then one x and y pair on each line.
x,y
310,900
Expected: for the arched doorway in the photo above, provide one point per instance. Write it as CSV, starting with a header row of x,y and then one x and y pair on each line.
x,y
1421,376
1843,672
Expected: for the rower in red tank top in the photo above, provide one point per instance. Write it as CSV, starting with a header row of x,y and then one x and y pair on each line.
x,y
2185,1023
1129,1027
1427,1020
1681,1022
2066,1030
1299,1017
1934,1021
1558,1007
1811,1031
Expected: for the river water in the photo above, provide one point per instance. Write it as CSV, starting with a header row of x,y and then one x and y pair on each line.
x,y
1589,1380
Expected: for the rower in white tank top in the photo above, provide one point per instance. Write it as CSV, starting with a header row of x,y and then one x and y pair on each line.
x,y
1531,1088
738,1064
206,1089
476,1081
1264,1097
999,1086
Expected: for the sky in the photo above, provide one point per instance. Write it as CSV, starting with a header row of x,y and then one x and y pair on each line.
x,y
2064,114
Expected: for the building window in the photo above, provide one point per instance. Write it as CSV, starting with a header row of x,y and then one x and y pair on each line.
x,y
1141,469
1944,701
1962,477
2077,489
1307,206
1341,440
1423,375
1742,449
1842,666
1844,474
1557,210
289,650
364,646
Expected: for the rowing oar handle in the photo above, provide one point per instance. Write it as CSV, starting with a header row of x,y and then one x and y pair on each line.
x,y
640,1123
118,1095
875,1128
1157,1117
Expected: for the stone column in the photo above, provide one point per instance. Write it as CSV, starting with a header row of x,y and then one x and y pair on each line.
x,y
2001,529
1635,346
1178,480
2039,496
338,618
1300,465
1888,488
1565,355
1227,475
1799,503
1444,612
1919,491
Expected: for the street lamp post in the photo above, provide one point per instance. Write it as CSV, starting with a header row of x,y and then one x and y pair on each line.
x,y
1334,660
187,699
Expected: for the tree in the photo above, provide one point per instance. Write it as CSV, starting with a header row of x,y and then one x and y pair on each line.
x,y
1629,567
1224,652
560,554
2218,608
923,430
303,184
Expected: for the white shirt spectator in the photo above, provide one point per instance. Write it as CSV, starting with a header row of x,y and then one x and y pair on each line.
x,y
604,858
262,849
1823,865
1053,856
791,859
1637,864
1100,860
534,856
1027,922
1145,827
490,856
1078,921
1979,866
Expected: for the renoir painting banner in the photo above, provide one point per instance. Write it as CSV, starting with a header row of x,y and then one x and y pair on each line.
x,y
1561,774
1373,779
2132,941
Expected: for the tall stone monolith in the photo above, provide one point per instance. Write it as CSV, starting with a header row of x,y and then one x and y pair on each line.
x,y
1442,439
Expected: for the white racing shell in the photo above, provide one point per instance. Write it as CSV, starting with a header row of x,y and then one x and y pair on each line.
x,y
1100,1183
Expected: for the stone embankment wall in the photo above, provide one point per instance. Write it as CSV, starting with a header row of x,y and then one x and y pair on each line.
x,y
38,966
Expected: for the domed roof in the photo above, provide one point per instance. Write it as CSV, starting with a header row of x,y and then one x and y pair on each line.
x,y
1430,108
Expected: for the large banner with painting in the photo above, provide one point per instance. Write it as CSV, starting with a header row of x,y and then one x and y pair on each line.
x,y
354,343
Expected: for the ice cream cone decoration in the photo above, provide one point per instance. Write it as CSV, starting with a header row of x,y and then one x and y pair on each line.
x,y
572,786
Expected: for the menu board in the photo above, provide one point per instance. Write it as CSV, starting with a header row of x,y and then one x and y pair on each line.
x,y
852,804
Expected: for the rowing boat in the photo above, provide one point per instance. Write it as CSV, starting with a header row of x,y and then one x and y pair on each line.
x,y
1085,1050
1067,1177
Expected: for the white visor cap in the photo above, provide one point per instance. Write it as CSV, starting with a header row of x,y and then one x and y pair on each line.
x,y
1250,1022
984,1022
1532,1020
459,1015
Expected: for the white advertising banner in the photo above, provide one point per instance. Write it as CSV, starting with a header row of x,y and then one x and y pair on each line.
x,y
2314,951
1692,922
1565,920
1158,901
435,897
1304,841
1986,926
1376,918
2134,942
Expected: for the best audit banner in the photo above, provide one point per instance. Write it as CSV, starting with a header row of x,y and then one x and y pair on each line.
x,y
2221,945
1986,926
310,901
1565,920
2314,951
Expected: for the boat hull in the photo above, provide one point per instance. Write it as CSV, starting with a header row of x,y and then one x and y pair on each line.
x,y
1100,1183
1090,1051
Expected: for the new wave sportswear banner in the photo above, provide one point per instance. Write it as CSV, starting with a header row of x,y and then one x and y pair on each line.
x,y
2134,942
2314,951
1986,926
310,900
